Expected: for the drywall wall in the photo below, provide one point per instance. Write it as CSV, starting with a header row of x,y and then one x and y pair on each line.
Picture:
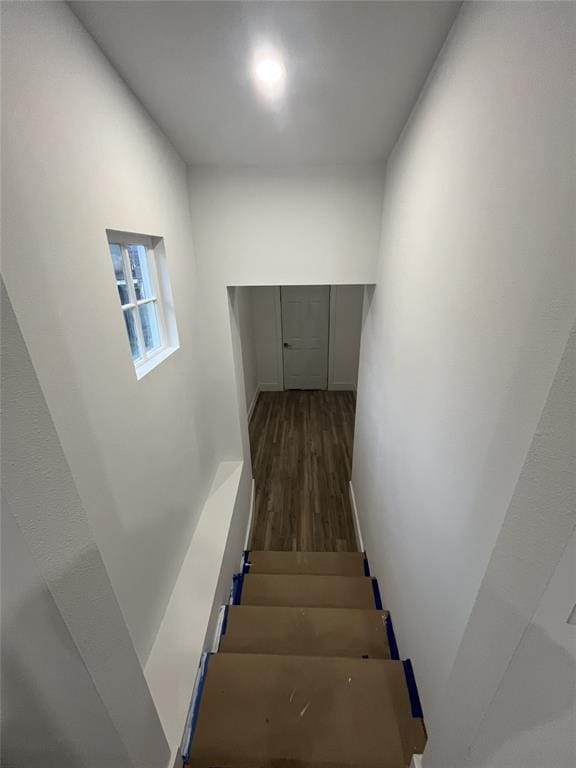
x,y
345,329
539,521
80,155
270,227
469,319
51,713
73,691
532,720
289,227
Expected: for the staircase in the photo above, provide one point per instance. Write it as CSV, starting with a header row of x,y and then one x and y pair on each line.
x,y
307,673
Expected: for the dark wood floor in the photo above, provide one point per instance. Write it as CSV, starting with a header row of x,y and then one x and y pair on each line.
x,y
301,456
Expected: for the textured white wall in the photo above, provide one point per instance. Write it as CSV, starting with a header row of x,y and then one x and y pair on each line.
x,y
492,655
80,155
471,313
284,227
73,691
532,719
46,689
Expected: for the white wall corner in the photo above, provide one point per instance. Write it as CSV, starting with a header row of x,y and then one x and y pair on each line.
x,y
357,529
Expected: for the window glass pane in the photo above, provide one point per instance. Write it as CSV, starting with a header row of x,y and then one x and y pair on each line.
x,y
140,272
116,253
129,319
150,328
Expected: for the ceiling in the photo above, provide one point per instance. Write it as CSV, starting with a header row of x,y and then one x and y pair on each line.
x,y
354,71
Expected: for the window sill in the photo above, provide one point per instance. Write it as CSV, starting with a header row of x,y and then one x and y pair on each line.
x,y
144,368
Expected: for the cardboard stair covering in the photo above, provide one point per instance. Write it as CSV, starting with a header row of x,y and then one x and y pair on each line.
x,y
307,673
308,591
306,631
311,563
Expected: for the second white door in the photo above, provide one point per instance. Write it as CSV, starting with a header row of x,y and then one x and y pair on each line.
x,y
305,323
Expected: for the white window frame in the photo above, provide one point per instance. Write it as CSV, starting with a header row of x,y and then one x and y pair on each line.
x,y
148,360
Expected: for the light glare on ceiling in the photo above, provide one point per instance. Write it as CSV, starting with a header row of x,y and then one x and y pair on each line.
x,y
269,70
269,73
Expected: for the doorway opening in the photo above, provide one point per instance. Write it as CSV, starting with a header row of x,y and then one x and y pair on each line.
x,y
300,349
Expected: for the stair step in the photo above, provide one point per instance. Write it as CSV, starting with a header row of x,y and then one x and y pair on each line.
x,y
306,631
314,563
303,591
271,710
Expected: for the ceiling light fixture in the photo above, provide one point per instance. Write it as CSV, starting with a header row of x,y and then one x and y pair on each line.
x,y
269,73
269,70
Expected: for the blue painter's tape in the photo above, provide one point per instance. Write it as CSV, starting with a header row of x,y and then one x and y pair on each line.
x,y
366,567
237,584
412,689
192,719
224,621
246,561
392,644
377,598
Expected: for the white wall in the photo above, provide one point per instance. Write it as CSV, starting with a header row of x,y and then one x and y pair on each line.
x,y
81,155
271,227
532,720
283,227
73,690
51,715
345,329
539,521
471,313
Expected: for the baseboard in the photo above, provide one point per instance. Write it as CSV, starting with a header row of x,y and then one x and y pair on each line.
x,y
250,516
357,529
342,386
253,403
270,386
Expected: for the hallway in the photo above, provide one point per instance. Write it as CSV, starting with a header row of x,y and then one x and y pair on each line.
x,y
301,444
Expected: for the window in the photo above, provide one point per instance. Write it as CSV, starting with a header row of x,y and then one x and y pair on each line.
x,y
145,298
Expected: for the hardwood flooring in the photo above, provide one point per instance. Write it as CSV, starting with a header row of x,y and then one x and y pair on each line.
x,y
301,444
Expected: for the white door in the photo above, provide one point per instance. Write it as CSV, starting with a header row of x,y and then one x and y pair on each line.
x,y
305,321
